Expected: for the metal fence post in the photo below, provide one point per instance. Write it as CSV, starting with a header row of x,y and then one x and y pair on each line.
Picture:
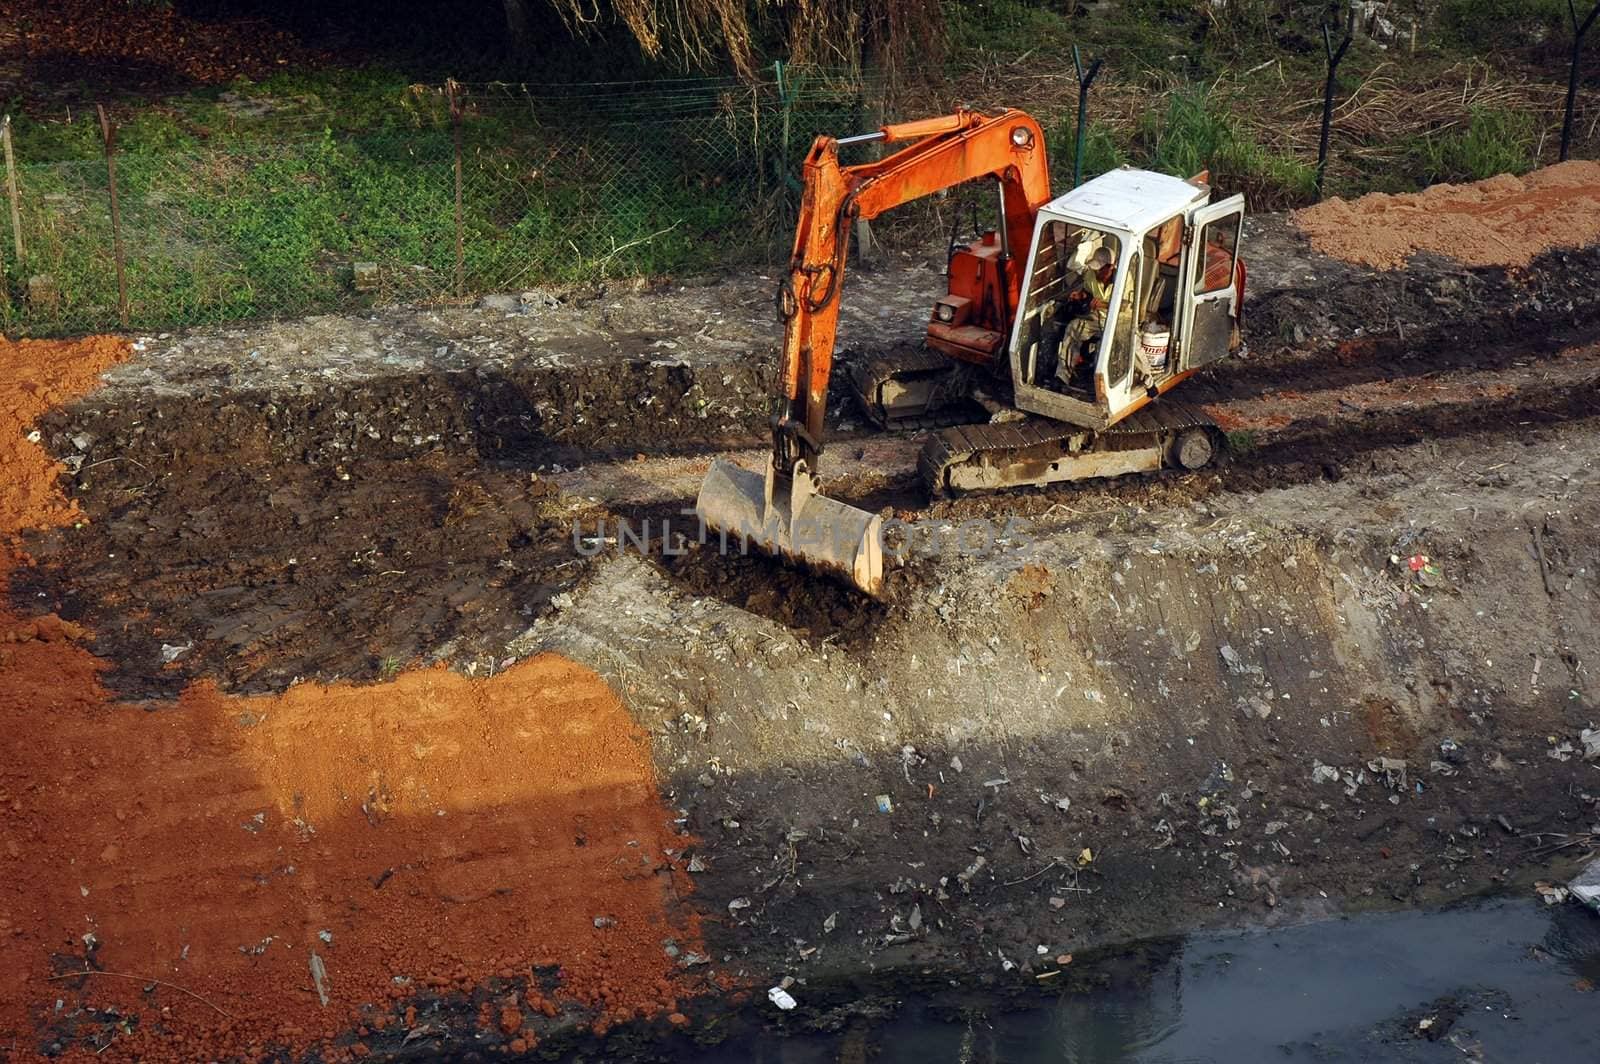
x,y
11,188
1084,81
109,133
455,125
1328,88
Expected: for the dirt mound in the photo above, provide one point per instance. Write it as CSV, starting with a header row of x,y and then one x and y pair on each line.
x,y
37,375
438,844
1504,221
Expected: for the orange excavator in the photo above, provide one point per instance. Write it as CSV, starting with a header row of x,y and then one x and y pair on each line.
x,y
1059,328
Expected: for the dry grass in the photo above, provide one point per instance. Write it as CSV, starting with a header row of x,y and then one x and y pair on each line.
x,y
1377,121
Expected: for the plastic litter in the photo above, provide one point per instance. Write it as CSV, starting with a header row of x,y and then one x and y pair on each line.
x,y
781,998
1586,886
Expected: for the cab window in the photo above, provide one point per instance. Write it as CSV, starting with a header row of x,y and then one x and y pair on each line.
x,y
1220,239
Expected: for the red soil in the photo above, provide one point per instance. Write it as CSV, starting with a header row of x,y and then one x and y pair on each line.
x,y
1503,221
443,832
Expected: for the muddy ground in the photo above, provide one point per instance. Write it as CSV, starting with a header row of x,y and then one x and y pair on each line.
x,y
1216,698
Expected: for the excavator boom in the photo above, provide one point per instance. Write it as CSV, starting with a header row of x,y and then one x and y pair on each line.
x,y
779,510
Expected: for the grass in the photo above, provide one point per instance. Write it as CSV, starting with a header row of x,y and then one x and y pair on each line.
x,y
228,222
1102,150
1494,142
258,199
1241,441
1196,134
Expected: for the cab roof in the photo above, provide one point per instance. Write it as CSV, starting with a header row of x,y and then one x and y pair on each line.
x,y
1128,199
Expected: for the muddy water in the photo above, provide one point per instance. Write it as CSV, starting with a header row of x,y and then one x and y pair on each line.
x,y
1495,981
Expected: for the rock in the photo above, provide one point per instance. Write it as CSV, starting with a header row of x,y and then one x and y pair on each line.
x,y
504,304
510,1020
1590,738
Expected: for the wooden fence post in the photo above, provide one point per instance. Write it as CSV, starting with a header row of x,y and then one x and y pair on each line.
x,y
11,188
455,125
5,281
109,133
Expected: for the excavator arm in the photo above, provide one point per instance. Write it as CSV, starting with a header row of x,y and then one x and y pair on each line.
x,y
946,152
781,511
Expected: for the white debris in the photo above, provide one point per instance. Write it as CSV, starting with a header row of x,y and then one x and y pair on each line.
x,y
1321,773
319,976
1586,887
781,998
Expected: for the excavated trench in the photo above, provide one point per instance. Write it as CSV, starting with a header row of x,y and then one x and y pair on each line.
x,y
1132,714
344,529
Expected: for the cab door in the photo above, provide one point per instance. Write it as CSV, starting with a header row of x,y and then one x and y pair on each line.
x,y
1208,296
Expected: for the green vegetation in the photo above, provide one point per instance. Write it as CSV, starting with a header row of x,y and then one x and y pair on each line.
x,y
260,197
223,221
1196,134
1101,150
1494,142
1479,25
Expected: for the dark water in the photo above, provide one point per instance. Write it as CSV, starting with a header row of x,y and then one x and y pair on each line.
x,y
1500,981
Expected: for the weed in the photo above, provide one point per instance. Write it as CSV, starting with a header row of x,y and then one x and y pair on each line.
x,y
1494,142
1241,441
1007,26
1196,133
1101,152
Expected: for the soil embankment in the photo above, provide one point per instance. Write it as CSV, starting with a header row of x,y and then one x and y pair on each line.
x,y
345,868
1348,668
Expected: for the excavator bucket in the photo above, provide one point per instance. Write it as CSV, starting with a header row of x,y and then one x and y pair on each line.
x,y
745,509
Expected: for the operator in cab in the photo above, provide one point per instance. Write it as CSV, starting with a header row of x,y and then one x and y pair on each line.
x,y
1095,277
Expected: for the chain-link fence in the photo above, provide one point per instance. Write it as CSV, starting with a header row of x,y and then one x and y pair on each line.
x,y
466,189
263,206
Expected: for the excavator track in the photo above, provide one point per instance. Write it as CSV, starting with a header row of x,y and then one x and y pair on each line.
x,y
1040,451
913,389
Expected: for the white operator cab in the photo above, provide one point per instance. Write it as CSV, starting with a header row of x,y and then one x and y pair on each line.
x,y
1173,302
